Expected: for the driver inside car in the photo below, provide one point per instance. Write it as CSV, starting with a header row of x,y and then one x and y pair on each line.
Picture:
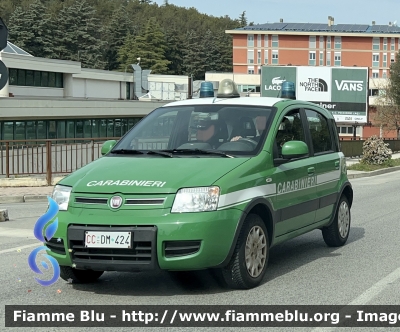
x,y
260,122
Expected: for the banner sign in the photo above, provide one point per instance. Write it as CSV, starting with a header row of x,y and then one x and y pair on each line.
x,y
341,90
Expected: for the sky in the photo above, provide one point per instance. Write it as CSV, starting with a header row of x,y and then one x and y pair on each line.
x,y
299,11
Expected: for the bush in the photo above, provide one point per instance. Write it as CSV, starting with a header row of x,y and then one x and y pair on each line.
x,y
375,151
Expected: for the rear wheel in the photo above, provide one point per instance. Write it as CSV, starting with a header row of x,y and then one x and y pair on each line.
x,y
337,233
79,276
248,264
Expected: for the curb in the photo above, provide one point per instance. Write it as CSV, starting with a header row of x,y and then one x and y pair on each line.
x,y
23,199
373,173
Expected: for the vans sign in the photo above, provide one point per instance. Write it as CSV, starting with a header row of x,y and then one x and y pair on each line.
x,y
349,85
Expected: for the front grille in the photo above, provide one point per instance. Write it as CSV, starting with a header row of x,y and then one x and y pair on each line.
x,y
56,245
150,201
181,248
142,253
90,200
128,201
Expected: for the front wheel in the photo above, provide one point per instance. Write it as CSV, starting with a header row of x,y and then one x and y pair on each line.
x,y
337,233
248,264
79,276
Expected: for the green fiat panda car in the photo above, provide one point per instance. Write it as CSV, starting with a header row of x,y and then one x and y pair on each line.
x,y
207,183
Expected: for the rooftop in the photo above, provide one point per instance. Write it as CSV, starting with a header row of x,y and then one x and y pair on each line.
x,y
320,27
13,49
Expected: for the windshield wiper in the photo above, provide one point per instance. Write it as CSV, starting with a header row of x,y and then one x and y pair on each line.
x,y
199,151
161,153
125,151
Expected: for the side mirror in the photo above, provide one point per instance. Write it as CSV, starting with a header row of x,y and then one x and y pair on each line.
x,y
107,146
294,149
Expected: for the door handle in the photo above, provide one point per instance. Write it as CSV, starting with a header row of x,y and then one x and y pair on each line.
x,y
337,164
311,170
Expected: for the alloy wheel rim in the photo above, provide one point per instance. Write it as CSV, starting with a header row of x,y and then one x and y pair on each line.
x,y
343,219
255,251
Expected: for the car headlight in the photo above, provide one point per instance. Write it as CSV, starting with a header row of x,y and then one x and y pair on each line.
x,y
196,199
61,196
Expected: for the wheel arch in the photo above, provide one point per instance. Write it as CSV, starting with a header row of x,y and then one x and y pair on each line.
x,y
264,210
347,191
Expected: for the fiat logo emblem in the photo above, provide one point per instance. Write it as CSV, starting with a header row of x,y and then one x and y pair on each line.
x,y
115,202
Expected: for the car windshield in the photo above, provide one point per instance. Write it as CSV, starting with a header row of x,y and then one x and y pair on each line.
x,y
199,130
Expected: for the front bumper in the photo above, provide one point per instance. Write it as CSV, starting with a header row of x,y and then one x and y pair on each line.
x,y
161,240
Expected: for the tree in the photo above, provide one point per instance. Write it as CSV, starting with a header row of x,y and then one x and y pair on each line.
x,y
194,56
149,47
80,35
116,32
243,20
174,53
388,100
31,30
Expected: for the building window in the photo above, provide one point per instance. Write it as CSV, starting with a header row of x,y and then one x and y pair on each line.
x,y
274,57
259,70
392,43
373,92
375,43
391,57
384,44
312,42
338,58
311,58
384,73
266,56
250,56
250,40
266,41
321,58
23,77
375,60
248,88
375,74
321,42
338,43
275,41
345,130
328,58
384,64
250,70
328,42
259,56
258,40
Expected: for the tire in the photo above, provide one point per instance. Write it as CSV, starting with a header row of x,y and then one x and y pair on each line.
x,y
240,274
79,276
337,233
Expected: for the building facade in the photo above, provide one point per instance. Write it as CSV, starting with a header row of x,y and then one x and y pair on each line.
x,y
307,44
55,99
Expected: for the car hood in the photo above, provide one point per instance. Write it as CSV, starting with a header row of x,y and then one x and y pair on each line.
x,y
148,175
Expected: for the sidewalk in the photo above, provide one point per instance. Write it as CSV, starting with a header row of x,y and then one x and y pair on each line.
x,y
39,194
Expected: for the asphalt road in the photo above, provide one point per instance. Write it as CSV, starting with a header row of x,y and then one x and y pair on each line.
x,y
303,271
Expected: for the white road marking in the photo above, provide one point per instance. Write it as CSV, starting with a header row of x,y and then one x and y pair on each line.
x,y
38,244
369,294
16,232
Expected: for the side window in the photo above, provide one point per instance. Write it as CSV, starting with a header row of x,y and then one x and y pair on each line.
x,y
290,129
319,130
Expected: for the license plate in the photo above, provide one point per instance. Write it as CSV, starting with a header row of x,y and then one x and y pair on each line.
x,y
108,239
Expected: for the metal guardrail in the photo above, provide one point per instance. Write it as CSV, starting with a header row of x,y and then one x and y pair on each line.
x,y
48,156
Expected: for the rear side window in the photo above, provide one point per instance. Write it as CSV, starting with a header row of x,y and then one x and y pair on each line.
x,y
320,134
